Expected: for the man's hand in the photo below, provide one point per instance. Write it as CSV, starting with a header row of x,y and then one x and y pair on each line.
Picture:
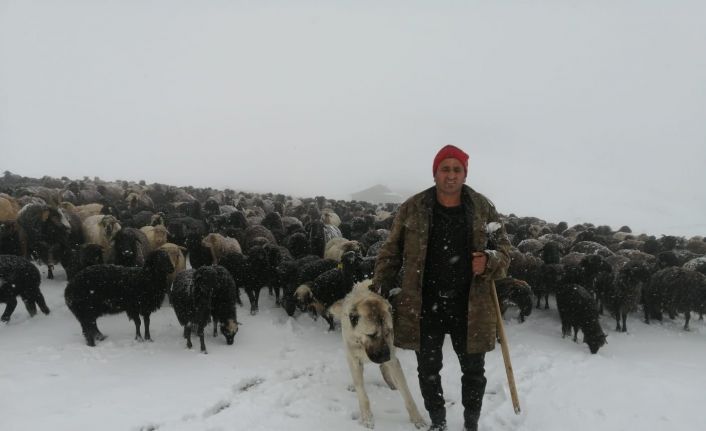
x,y
478,262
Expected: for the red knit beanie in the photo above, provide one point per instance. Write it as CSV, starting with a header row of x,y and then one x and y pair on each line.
x,y
450,152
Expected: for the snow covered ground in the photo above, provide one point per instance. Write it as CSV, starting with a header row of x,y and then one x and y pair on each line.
x,y
291,374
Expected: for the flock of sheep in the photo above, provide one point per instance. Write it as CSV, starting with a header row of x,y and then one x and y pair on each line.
x,y
125,245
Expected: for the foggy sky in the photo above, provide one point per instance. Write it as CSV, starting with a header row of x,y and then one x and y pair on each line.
x,y
575,111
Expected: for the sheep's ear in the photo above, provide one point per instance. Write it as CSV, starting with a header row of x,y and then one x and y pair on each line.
x,y
45,215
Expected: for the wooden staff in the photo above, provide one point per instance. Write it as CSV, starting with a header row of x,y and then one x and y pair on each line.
x,y
506,353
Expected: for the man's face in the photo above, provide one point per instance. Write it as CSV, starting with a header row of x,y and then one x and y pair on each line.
x,y
450,177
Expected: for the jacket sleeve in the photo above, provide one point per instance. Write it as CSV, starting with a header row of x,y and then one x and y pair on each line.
x,y
498,258
389,260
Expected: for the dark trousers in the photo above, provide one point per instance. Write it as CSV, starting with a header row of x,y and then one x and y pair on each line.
x,y
438,320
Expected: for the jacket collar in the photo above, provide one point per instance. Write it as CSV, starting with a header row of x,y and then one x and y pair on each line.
x,y
429,196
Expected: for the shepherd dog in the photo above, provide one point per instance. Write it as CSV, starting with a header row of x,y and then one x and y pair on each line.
x,y
366,326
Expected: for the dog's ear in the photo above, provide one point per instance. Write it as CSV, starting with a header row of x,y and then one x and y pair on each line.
x,y
354,316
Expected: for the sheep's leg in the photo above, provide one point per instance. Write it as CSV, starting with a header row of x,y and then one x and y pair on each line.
x,y
254,308
576,334
329,319
146,318
200,331
97,334
546,301
237,296
42,303
187,335
252,298
135,317
539,302
87,328
30,306
625,318
617,321
687,315
50,272
277,294
9,308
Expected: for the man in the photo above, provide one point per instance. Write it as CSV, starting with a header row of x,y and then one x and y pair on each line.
x,y
443,243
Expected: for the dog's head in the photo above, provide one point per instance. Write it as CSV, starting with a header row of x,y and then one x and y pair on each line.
x,y
371,327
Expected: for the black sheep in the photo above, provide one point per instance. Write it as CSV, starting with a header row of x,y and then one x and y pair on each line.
x,y
674,290
199,296
513,291
130,246
335,284
276,255
317,239
179,228
74,261
257,235
273,222
259,274
43,233
18,276
596,276
313,268
577,310
10,238
622,296
288,275
197,253
109,289
549,278
236,264
297,244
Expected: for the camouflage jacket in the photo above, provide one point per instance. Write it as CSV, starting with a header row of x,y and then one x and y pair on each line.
x,y
404,255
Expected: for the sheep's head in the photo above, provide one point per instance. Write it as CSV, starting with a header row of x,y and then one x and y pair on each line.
x,y
596,342
229,329
110,226
303,297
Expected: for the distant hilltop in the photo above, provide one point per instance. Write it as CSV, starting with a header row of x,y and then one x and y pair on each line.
x,y
378,194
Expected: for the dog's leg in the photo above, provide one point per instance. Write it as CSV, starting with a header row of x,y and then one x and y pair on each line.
x,y
387,377
356,367
394,369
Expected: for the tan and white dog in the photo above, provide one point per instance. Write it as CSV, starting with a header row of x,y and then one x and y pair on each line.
x,y
366,326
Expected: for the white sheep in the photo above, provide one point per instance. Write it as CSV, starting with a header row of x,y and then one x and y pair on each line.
x,y
330,217
337,246
156,235
9,208
176,255
83,211
101,230
220,245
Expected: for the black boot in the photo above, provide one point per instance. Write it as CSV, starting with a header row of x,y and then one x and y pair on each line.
x,y
438,420
470,420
